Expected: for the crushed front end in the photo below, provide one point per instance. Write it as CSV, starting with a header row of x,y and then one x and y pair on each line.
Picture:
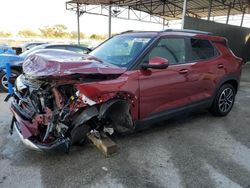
x,y
51,111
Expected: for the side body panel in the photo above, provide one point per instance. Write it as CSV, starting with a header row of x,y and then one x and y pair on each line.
x,y
162,90
186,84
208,75
125,87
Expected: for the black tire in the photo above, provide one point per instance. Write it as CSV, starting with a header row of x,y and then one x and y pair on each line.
x,y
223,101
3,80
79,135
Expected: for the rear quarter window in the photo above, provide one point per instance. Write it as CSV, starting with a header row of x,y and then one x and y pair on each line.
x,y
202,49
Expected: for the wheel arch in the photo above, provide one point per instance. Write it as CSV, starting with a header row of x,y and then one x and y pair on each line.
x,y
119,112
234,83
230,79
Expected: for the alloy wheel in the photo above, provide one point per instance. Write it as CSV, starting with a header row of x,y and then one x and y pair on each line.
x,y
226,100
4,80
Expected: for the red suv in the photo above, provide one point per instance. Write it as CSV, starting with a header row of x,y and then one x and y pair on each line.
x,y
129,80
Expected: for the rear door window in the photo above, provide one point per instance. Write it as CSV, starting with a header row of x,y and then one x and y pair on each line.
x,y
202,49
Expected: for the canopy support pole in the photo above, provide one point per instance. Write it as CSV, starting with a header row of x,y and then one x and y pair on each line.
x,y
243,15
78,24
184,13
110,20
228,13
209,9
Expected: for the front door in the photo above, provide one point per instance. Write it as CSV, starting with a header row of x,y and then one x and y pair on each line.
x,y
165,89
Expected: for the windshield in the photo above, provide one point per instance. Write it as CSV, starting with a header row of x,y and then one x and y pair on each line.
x,y
121,50
27,52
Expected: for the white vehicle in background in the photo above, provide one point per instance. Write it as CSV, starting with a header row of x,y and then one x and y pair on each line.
x,y
30,45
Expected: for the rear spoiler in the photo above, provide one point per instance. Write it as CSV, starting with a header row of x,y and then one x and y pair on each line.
x,y
224,42
220,40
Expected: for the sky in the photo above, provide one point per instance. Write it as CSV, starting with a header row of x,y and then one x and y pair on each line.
x,y
33,14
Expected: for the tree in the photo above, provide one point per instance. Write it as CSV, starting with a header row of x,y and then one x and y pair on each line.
x,y
60,31
47,31
56,31
74,35
5,34
27,33
97,37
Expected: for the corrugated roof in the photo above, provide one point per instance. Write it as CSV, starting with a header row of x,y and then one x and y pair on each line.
x,y
172,9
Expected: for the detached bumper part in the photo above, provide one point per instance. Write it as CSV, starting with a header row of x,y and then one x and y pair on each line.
x,y
62,145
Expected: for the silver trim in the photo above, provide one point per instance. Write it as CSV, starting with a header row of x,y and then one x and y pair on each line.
x,y
226,100
26,141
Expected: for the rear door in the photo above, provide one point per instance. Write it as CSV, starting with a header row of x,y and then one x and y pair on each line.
x,y
207,67
165,89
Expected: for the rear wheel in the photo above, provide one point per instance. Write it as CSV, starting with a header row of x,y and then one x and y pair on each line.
x,y
224,100
4,80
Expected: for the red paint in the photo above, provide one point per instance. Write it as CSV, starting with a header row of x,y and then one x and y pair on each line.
x,y
148,91
41,65
158,61
156,90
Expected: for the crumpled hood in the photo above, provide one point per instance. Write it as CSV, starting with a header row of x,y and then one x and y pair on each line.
x,y
58,63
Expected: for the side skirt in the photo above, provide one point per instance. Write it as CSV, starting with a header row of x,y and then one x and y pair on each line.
x,y
164,115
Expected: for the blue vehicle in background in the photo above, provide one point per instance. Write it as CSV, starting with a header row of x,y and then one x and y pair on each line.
x,y
5,49
7,54
16,61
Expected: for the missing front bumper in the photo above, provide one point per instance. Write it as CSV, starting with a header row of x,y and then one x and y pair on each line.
x,y
62,145
26,141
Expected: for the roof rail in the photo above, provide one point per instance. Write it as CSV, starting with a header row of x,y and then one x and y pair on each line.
x,y
188,31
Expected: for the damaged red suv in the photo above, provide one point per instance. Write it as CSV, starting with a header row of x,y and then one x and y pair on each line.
x,y
128,81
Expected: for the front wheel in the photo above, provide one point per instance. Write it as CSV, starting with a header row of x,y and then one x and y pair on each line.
x,y
79,134
223,101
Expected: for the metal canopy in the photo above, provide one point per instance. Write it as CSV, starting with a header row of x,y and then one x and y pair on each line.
x,y
172,9
158,11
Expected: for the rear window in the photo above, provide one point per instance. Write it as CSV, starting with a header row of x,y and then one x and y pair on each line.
x,y
202,50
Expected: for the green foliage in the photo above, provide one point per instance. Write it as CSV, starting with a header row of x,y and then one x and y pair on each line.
x,y
74,35
47,31
5,34
56,31
27,33
97,37
60,31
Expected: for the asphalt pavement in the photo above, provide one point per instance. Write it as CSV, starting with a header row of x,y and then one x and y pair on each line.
x,y
189,151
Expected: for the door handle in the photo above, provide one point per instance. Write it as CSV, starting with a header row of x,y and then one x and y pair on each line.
x,y
220,66
183,71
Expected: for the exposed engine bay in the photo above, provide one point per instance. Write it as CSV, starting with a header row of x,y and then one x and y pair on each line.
x,y
50,113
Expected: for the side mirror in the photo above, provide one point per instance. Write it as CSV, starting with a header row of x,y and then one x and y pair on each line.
x,y
156,63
